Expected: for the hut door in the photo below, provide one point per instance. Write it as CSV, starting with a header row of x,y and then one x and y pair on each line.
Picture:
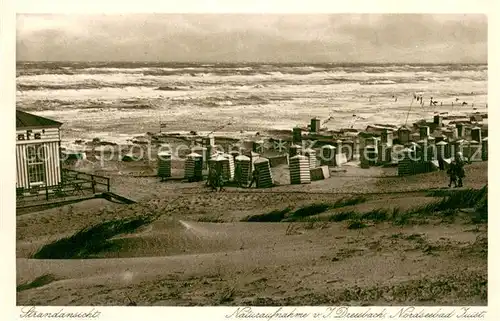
x,y
198,165
36,164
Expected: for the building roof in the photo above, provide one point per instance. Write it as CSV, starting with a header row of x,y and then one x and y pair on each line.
x,y
261,160
242,158
194,155
218,158
24,119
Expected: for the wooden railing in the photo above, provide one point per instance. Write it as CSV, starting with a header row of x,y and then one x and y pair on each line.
x,y
95,180
73,184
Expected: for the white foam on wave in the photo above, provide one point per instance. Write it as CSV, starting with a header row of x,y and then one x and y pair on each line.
x,y
98,94
64,79
249,100
376,82
206,78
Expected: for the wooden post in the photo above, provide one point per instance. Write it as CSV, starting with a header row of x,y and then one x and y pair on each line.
x,y
108,185
408,114
46,192
93,183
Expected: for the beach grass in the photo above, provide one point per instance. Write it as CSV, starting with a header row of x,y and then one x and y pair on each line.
x,y
447,207
342,216
91,240
211,219
36,283
343,202
307,211
273,216
355,225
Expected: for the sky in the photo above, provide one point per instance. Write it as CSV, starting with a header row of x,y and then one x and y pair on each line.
x,y
312,38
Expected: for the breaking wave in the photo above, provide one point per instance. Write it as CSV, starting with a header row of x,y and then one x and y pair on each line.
x,y
120,97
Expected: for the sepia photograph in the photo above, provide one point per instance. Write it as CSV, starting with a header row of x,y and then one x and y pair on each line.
x,y
230,159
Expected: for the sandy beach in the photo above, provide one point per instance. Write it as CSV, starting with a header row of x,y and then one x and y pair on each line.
x,y
201,248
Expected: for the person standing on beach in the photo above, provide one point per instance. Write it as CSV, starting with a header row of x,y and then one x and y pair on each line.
x,y
207,183
212,179
452,172
237,173
220,179
255,178
460,172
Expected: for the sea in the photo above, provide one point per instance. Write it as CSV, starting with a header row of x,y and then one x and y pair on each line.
x,y
115,101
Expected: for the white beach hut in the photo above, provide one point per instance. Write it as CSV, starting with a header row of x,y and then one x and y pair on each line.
x,y
311,156
476,134
300,172
473,151
328,155
484,149
164,165
405,165
441,148
203,151
221,161
231,166
265,175
244,165
193,167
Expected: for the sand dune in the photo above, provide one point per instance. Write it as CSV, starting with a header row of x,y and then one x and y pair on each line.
x,y
199,252
316,261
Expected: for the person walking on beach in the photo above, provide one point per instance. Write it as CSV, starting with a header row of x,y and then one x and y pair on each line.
x,y
255,178
220,181
212,179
